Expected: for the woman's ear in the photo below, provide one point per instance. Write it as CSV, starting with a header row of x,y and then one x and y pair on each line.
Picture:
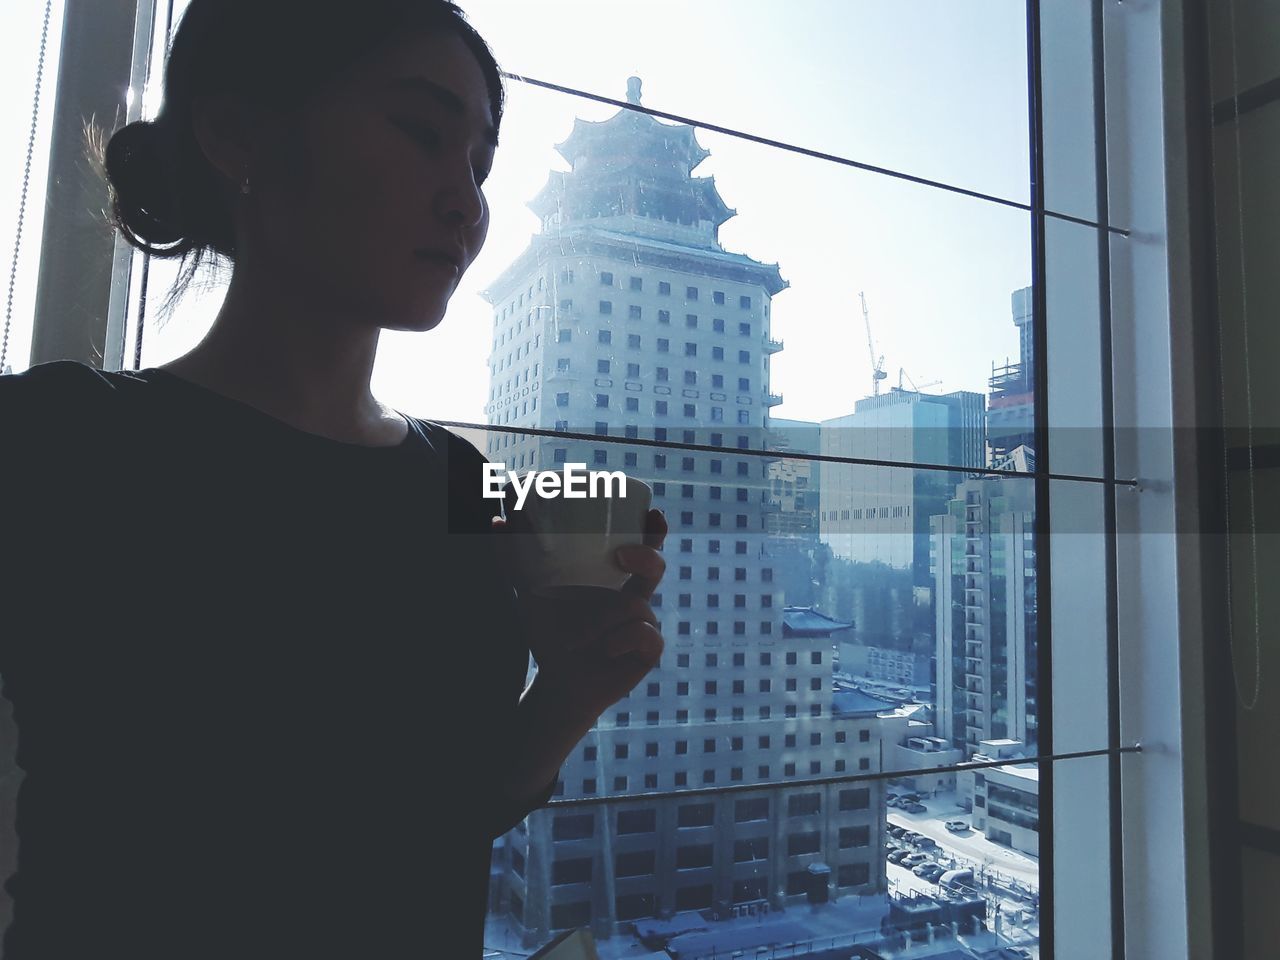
x,y
223,128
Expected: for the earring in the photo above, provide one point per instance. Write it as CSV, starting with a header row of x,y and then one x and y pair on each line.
x,y
244,185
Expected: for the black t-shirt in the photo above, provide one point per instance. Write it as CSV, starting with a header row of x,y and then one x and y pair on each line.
x,y
263,681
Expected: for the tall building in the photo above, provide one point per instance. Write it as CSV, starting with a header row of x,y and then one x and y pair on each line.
x,y
1011,396
983,563
625,318
873,513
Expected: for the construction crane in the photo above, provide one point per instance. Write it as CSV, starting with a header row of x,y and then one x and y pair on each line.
x,y
903,373
877,366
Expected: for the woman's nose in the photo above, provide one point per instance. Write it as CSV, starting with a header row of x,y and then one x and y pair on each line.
x,y
461,200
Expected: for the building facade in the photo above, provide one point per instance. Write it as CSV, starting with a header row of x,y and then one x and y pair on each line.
x,y
873,513
982,558
626,319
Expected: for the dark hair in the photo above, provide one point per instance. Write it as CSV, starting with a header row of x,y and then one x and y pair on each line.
x,y
166,198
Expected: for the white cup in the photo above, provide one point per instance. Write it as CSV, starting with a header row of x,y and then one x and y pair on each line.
x,y
557,542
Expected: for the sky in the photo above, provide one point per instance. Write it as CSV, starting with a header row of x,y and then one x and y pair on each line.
x,y
933,88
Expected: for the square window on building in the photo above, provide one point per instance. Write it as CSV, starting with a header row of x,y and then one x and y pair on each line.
x,y
788,769
606,279
717,466
717,414
682,688
789,740
619,783
651,718
682,660
708,776
560,454
604,336
664,345
589,785
709,745
601,457
744,417
765,684
864,736
633,404
690,349
622,720
682,747
636,283
651,781
602,400
709,715
682,716
690,378
717,325
789,710
633,342
633,312
713,628
664,316
717,296
562,365
685,600
815,683
744,329
562,399
815,767
606,308
620,751
686,518
744,356
691,293
717,353
763,772
664,288
633,370
686,573
602,366
564,336
840,736
682,628
682,778
864,763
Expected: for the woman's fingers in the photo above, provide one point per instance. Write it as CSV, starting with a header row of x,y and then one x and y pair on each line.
x,y
638,640
645,564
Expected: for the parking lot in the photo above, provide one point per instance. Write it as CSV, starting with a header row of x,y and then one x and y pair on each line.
x,y
969,848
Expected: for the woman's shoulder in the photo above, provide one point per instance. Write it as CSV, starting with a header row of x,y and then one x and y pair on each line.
x,y
64,394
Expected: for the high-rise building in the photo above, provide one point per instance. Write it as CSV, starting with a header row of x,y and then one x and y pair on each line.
x,y
1011,396
875,513
983,563
794,491
624,319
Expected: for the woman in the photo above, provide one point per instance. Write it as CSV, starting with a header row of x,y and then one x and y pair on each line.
x,y
266,672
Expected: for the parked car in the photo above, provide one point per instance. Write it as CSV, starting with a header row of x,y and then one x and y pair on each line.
x,y
957,879
909,836
914,807
896,831
893,802
927,843
896,856
908,798
914,859
957,826
932,871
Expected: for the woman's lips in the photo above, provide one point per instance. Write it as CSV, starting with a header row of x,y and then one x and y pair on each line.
x,y
437,259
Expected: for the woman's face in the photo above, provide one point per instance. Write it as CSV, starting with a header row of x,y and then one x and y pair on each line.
x,y
374,199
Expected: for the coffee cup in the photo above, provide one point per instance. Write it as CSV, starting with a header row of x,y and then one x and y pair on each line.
x,y
563,534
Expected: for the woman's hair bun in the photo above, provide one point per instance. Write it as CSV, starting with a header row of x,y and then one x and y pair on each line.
x,y
144,205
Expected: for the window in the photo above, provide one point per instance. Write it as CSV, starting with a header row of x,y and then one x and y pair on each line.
x,y
633,342
633,312
602,400
604,336
602,366
1017,309
664,345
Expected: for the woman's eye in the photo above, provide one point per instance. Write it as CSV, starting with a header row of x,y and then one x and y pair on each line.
x,y
422,134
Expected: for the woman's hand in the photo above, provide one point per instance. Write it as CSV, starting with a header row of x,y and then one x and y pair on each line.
x,y
593,646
